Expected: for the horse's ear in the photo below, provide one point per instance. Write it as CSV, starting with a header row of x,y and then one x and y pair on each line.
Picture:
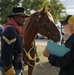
x,y
49,10
43,9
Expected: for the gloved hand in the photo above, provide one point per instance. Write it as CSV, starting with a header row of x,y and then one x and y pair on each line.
x,y
10,71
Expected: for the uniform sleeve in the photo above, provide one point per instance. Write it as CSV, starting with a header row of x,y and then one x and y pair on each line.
x,y
8,40
64,61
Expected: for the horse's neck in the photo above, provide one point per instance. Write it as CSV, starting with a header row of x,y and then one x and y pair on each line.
x,y
28,45
29,36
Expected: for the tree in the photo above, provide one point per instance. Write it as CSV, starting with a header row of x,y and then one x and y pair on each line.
x,y
57,8
6,7
34,4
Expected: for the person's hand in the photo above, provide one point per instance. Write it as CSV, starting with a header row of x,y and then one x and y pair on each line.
x,y
10,71
46,53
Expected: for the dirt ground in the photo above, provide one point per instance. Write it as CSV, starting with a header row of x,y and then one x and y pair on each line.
x,y
43,67
48,70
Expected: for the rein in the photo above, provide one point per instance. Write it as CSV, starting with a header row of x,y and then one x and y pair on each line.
x,y
29,57
47,30
28,54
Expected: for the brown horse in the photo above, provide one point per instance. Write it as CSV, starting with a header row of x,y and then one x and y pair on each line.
x,y
39,22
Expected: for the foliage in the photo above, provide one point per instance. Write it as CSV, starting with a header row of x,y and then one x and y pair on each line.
x,y
57,8
6,7
58,11
34,4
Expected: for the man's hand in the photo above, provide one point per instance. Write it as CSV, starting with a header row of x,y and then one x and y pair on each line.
x,y
46,53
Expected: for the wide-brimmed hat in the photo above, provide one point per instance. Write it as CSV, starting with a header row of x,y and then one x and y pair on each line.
x,y
68,20
18,11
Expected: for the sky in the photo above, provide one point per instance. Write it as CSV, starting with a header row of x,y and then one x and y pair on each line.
x,y
69,4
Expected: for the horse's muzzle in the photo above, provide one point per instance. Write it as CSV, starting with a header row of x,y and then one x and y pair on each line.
x,y
56,38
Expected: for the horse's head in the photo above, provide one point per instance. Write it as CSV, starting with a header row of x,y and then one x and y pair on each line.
x,y
45,25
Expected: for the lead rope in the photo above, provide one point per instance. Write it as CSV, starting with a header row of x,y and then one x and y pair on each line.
x,y
29,57
38,55
40,61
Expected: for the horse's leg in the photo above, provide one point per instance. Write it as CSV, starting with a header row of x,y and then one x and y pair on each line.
x,y
31,67
37,57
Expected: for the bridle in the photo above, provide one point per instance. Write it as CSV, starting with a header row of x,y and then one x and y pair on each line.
x,y
45,27
39,18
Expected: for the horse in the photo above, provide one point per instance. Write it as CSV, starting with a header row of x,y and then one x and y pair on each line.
x,y
39,22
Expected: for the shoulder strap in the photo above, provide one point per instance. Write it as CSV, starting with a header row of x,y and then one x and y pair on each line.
x,y
7,27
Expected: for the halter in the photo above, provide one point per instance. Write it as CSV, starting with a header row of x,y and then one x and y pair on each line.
x,y
45,27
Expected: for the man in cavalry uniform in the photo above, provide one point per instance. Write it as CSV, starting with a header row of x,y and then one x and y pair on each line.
x,y
12,43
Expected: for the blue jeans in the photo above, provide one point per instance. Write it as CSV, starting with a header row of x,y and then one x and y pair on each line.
x,y
17,71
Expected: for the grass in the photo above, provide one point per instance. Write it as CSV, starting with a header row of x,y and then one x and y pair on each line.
x,y
47,68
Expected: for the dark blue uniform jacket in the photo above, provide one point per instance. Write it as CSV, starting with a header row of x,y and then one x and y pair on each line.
x,y
12,49
66,63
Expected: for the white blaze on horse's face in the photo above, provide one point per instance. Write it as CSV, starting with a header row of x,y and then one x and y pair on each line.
x,y
39,16
50,17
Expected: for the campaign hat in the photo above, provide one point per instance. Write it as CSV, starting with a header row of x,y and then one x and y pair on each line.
x,y
18,11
